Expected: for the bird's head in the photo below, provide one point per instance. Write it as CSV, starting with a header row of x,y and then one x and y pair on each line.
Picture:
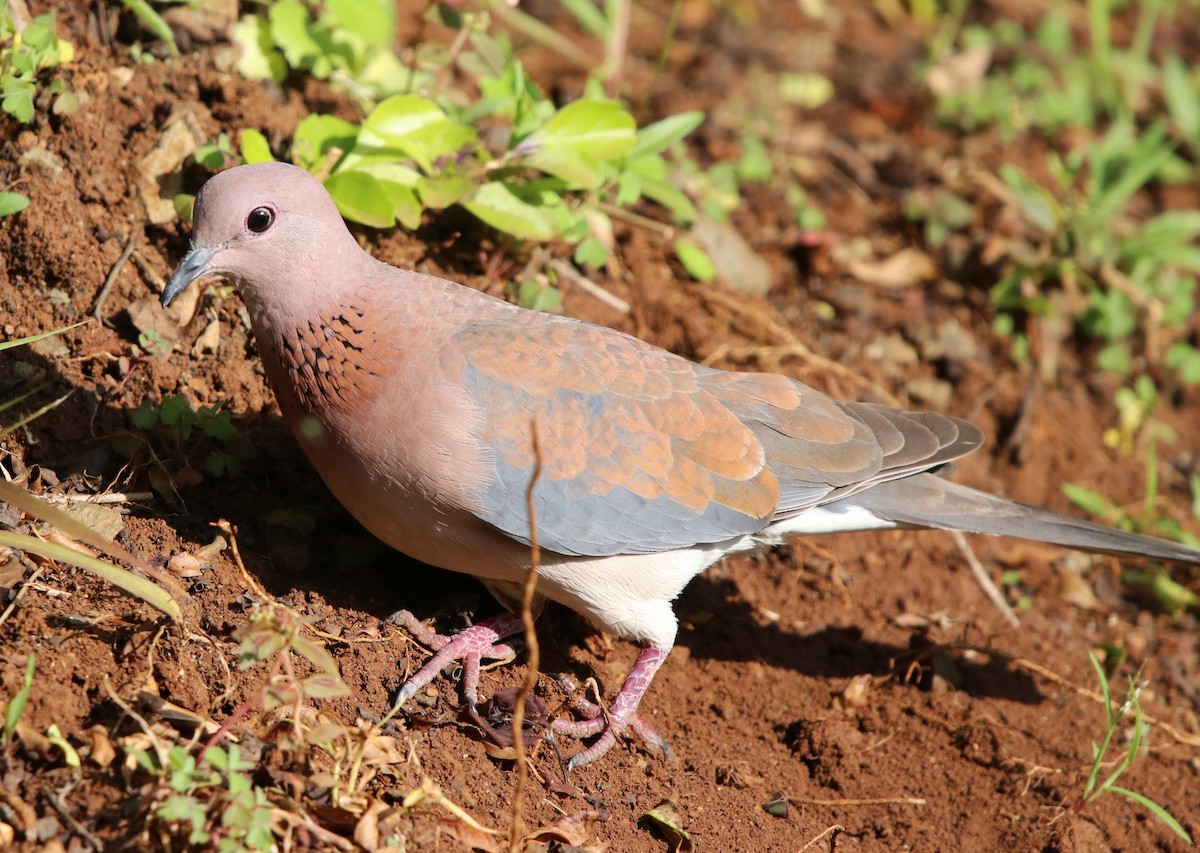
x,y
271,229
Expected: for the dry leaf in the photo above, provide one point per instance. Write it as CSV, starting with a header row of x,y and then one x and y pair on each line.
x,y
102,753
469,836
903,269
366,831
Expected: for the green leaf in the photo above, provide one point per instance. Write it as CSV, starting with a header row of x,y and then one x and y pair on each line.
x,y
1150,152
655,184
122,579
1090,502
755,164
11,203
1155,809
15,706
315,653
373,21
257,57
255,148
290,31
580,136
495,204
695,260
361,198
70,756
418,127
405,205
1115,358
18,103
325,685
1185,359
438,193
153,22
538,296
1035,202
661,135
806,89
589,17
317,134
1182,94
591,252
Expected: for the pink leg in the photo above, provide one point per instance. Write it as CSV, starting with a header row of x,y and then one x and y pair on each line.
x,y
471,646
622,713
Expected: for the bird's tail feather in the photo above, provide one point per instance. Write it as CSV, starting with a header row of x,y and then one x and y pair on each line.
x,y
925,500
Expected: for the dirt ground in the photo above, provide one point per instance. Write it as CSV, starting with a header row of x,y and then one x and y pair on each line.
x,y
865,678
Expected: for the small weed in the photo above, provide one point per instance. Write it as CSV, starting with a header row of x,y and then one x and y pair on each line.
x,y
1094,788
222,447
273,634
15,707
1134,406
24,56
154,22
212,798
1122,280
11,203
1090,258
497,147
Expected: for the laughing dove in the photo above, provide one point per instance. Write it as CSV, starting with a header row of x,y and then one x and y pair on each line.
x,y
415,398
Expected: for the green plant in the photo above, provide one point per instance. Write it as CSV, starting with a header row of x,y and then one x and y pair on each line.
x,y
24,56
135,585
224,449
11,203
15,707
1126,280
212,797
273,634
497,147
155,24
1094,787
1042,81
1154,516
347,42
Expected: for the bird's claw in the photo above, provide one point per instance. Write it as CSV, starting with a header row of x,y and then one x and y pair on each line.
x,y
471,646
597,721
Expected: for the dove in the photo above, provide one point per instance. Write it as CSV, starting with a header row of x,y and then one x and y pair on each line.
x,y
417,399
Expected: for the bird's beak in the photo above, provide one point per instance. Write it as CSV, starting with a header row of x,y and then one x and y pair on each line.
x,y
195,264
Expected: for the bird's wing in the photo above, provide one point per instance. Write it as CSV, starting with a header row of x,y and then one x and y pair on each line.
x,y
643,451
906,442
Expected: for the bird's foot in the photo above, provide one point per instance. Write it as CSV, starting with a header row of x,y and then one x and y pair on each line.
x,y
471,646
620,716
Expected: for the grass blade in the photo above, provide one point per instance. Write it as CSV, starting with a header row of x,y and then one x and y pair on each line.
x,y
122,579
1155,809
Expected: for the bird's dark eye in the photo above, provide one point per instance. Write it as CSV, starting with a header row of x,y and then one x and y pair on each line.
x,y
260,219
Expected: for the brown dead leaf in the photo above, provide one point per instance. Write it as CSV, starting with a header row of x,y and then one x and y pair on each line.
x,y
960,72
471,837
102,754
209,340
184,565
148,316
940,619
158,173
738,775
572,829
738,265
904,269
366,832
1073,588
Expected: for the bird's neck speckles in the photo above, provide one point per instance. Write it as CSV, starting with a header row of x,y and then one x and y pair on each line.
x,y
334,361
